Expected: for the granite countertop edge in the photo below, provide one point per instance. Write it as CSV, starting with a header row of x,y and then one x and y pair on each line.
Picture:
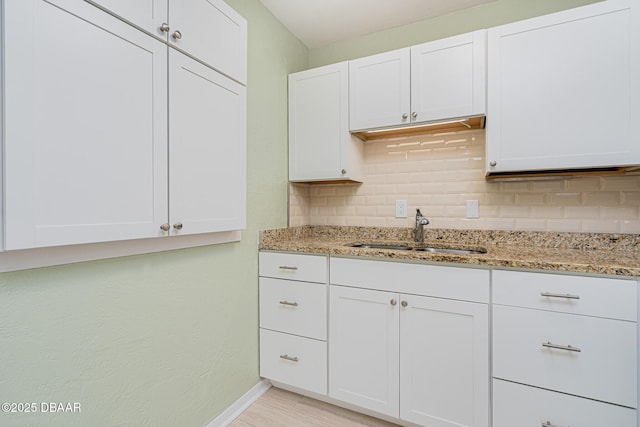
x,y
590,253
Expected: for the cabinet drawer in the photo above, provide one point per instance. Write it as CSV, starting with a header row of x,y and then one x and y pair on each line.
x,y
308,268
593,296
524,406
299,362
298,308
465,284
604,368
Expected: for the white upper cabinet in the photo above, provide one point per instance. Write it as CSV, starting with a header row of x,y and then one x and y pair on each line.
x,y
435,81
320,145
379,88
208,30
148,15
87,152
212,32
207,166
448,78
564,90
84,135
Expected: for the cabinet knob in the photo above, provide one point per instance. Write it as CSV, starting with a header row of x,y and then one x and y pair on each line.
x,y
404,303
165,227
405,116
414,114
393,302
177,226
343,171
177,35
492,163
164,27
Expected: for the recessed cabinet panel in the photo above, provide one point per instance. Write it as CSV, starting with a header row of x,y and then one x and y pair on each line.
x,y
207,149
146,14
363,348
379,90
320,145
85,136
211,31
444,362
564,91
448,77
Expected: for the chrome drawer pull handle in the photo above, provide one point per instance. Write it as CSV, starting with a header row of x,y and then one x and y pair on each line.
x,y
286,267
287,357
561,347
548,424
552,295
292,304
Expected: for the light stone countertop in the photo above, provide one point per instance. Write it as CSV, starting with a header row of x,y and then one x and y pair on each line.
x,y
593,253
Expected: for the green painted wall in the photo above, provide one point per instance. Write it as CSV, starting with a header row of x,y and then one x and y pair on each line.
x,y
165,339
487,15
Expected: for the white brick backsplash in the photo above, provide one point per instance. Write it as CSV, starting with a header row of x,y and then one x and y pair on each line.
x,y
547,212
583,184
611,198
619,212
565,199
630,227
631,197
515,212
618,183
530,199
601,226
547,186
439,173
582,212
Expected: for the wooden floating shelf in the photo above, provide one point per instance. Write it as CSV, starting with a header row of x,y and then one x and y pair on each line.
x,y
471,123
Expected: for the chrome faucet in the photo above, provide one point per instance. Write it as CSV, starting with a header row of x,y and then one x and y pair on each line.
x,y
418,231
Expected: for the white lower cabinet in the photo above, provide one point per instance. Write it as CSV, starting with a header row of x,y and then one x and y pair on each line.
x,y
424,360
293,320
293,360
564,350
363,348
444,362
523,406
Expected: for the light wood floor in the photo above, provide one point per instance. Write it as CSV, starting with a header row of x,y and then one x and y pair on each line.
x,y
280,408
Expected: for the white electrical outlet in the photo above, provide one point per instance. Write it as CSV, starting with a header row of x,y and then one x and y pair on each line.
x,y
401,208
472,209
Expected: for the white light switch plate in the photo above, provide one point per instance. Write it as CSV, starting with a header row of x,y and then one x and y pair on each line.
x,y
472,209
401,208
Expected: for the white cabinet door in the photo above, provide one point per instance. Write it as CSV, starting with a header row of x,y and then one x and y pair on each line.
x,y
211,31
379,88
320,145
363,348
444,362
207,149
146,14
448,78
85,135
564,90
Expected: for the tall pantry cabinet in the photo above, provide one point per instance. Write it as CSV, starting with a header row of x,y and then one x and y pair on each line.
x,y
111,135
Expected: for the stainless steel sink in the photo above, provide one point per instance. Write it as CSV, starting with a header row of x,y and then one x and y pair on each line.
x,y
453,251
380,246
401,247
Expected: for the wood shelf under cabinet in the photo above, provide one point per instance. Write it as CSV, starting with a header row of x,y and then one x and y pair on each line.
x,y
471,123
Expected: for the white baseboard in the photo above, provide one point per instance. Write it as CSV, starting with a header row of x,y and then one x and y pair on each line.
x,y
239,406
